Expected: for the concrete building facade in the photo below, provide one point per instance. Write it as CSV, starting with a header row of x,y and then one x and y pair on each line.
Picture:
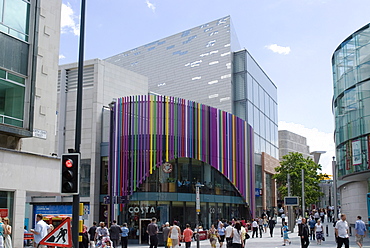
x,y
29,45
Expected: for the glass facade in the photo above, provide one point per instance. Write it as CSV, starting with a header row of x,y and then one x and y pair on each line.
x,y
14,18
171,196
255,100
351,106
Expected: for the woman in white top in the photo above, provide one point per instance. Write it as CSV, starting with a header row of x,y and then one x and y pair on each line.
x,y
319,230
174,234
7,232
237,236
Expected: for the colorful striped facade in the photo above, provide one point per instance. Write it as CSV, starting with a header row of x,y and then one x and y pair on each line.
x,y
149,130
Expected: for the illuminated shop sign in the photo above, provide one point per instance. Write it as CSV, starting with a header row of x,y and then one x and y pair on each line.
x,y
142,210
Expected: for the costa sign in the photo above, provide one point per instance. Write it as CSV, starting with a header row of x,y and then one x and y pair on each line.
x,y
143,210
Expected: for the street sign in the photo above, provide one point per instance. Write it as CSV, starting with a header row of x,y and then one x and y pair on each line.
x,y
61,236
291,201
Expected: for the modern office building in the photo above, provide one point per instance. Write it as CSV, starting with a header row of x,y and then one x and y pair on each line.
x,y
292,142
351,108
205,65
29,50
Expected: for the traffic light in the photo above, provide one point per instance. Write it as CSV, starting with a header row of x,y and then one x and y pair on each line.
x,y
70,176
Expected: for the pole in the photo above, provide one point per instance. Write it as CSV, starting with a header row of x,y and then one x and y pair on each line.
x,y
290,208
303,200
76,198
197,209
334,168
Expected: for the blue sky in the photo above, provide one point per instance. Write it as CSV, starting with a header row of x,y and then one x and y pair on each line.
x,y
292,40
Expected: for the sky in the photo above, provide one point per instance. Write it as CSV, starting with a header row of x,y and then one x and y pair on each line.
x,y
292,40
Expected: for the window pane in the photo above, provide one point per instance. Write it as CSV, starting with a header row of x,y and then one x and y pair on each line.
x,y
15,78
16,15
11,103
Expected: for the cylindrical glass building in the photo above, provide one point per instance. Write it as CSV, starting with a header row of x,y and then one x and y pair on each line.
x,y
351,107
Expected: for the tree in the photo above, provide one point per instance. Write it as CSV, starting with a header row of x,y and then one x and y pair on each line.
x,y
293,163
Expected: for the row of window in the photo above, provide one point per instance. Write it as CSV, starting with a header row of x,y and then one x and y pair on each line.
x,y
352,113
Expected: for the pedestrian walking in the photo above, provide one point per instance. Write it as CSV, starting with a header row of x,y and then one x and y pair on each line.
x,y
40,231
175,234
260,226
124,235
341,232
221,234
237,236
188,234
166,230
286,239
255,228
7,232
271,224
304,232
265,223
360,229
312,224
152,231
115,231
228,233
101,234
91,232
319,231
213,236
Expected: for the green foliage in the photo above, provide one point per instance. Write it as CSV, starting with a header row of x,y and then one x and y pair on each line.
x,y
293,163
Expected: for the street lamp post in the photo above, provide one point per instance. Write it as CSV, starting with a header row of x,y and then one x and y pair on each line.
x,y
197,208
334,166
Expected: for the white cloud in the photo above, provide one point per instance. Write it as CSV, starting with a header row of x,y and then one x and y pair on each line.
x,y
318,141
61,56
278,49
150,5
69,20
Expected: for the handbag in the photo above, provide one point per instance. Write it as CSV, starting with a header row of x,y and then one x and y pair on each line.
x,y
169,242
247,236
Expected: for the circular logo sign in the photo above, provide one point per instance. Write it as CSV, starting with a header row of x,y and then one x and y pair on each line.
x,y
167,167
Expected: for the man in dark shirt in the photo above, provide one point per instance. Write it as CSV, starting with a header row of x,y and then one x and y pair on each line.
x,y
114,231
92,231
304,233
152,230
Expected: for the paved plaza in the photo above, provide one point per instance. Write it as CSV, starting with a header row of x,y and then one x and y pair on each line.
x,y
276,241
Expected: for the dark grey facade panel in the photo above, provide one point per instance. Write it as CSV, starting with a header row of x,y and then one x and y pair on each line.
x,y
13,54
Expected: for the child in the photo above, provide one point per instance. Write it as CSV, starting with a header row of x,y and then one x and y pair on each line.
x,y
285,234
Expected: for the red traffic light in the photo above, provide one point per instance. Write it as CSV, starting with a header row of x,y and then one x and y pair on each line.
x,y
69,163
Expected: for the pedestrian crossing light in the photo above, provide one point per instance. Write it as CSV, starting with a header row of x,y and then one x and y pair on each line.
x,y
70,175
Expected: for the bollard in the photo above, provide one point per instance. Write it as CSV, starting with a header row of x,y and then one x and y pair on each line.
x,y
327,230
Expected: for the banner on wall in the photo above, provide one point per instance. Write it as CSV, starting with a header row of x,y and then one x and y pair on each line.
x,y
356,152
348,155
4,212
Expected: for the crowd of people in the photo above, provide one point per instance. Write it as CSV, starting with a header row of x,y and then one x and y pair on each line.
x,y
234,233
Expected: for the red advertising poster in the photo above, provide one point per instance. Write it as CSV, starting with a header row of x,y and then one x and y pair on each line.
x,y
4,212
348,155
